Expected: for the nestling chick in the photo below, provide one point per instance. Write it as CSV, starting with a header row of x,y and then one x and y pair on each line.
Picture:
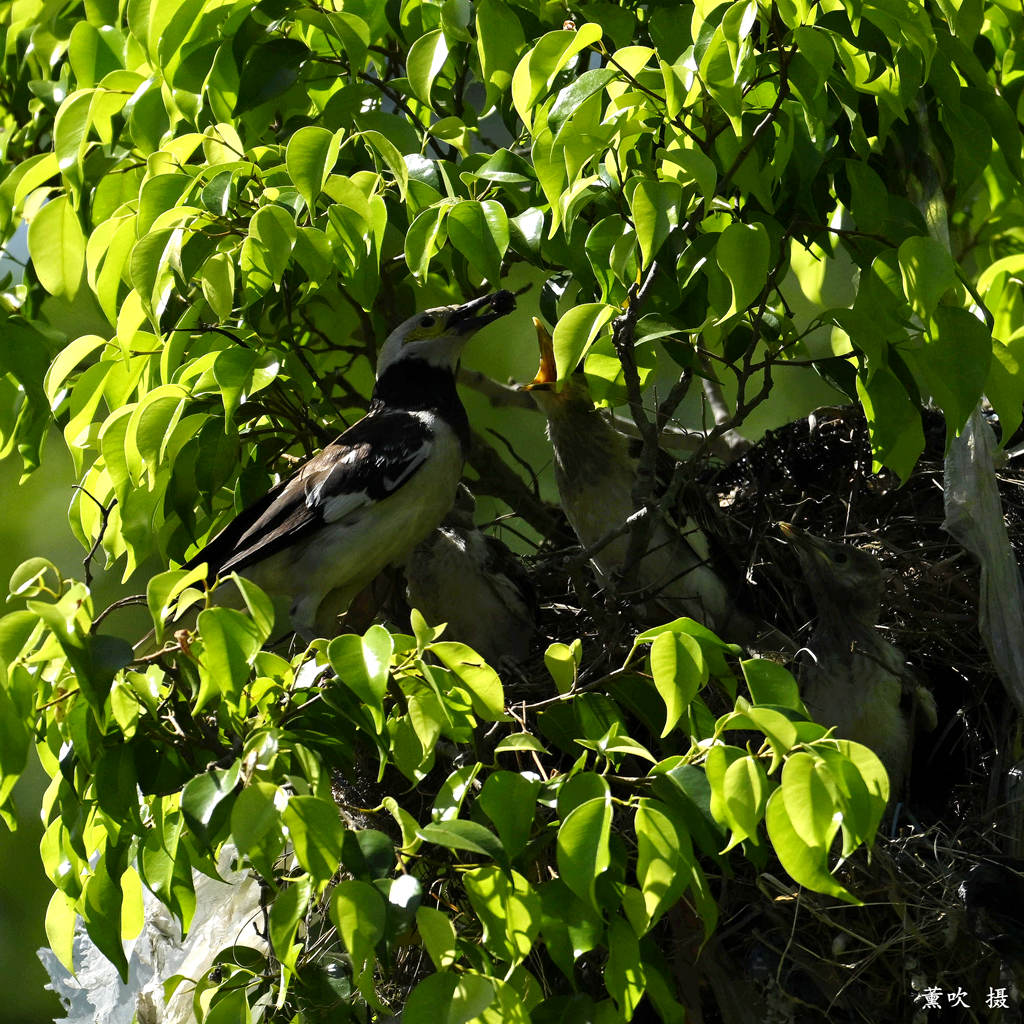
x,y
472,581
595,474
854,678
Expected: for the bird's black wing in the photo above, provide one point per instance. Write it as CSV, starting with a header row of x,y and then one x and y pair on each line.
x,y
371,460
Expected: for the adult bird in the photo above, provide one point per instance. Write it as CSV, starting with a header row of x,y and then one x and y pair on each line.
x,y
855,679
320,536
595,471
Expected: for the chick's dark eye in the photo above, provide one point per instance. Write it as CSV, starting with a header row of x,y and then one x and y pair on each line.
x,y
427,321
839,557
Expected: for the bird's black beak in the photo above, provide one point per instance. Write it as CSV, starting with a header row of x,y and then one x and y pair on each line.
x,y
547,372
471,316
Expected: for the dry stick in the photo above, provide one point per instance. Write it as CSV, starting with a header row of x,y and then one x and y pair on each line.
x,y
496,393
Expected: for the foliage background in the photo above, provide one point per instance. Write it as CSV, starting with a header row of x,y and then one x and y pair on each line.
x,y
228,204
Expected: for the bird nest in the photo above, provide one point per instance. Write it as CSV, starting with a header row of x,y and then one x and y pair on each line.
x,y
817,473
943,894
937,928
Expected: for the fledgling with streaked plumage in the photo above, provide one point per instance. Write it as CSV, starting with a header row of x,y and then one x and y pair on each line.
x,y
471,581
852,677
595,473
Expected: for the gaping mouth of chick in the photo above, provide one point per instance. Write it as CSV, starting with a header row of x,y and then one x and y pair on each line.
x,y
471,316
804,543
547,373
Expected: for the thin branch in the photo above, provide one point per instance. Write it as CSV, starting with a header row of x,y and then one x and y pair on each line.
x,y
624,340
105,511
499,395
125,602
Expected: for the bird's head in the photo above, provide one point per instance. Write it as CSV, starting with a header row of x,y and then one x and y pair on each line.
x,y
556,397
437,336
844,581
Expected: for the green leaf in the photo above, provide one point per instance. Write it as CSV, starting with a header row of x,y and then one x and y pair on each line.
x,y
159,861
60,927
362,664
311,154
579,89
520,741
57,246
232,370
101,904
576,331
745,790
257,603
499,41
256,825
151,423
583,849
569,926
718,73
691,165
869,200
359,912
438,935
163,589
562,662
897,438
464,835
422,238
743,254
580,788
217,280
954,363
509,800
655,208
231,642
537,70
508,908
15,631
664,859
94,52
316,832
480,680
453,791
16,720
151,261
70,129
286,914
928,273
679,671
452,998
480,232
807,865
427,56
206,800
33,577
624,975
270,69
771,683
809,798
389,153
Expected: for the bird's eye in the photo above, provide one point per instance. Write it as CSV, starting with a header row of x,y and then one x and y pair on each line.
x,y
427,321
839,557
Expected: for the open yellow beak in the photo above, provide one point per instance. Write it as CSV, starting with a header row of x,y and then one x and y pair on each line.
x,y
546,372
